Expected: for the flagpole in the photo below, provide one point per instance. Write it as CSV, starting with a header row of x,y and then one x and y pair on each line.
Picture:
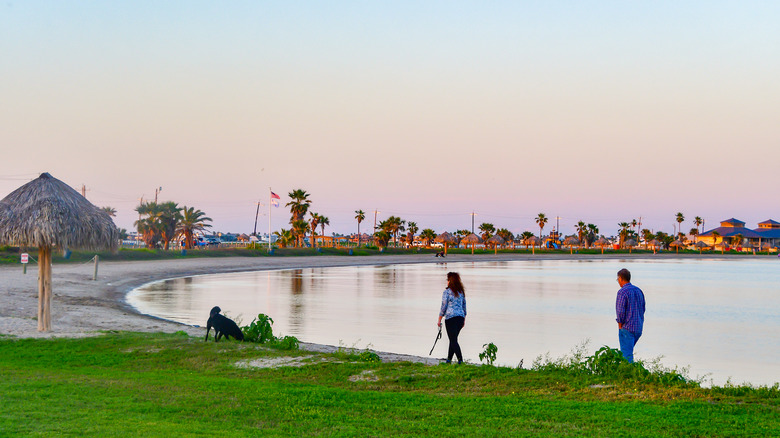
x,y
270,201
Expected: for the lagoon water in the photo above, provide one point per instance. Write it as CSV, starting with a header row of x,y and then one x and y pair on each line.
x,y
720,318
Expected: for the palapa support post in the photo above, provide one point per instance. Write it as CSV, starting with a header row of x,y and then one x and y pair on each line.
x,y
97,261
44,289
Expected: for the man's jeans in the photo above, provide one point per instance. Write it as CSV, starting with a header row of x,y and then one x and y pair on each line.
x,y
627,341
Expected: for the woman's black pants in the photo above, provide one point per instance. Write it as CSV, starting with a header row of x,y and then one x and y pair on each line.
x,y
454,325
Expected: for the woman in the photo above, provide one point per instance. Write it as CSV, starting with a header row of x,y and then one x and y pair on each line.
x,y
453,309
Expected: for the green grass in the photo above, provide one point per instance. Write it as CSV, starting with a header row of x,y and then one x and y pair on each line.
x,y
125,384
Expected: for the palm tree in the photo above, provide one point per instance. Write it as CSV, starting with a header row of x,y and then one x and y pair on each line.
x,y
427,235
299,228
110,210
593,233
169,216
525,236
648,236
393,225
324,221
694,232
313,222
541,220
737,239
506,235
487,230
698,222
284,237
381,238
360,215
581,229
299,205
679,218
149,224
412,228
623,232
192,220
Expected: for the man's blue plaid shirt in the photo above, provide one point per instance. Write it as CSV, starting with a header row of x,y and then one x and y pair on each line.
x,y
630,308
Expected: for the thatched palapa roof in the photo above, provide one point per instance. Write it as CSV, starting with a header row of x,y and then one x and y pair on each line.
x,y
446,237
496,240
472,239
47,212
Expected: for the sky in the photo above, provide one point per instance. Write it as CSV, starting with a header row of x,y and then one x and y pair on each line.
x,y
600,111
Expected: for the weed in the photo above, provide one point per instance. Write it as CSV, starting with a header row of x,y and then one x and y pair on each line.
x,y
609,362
260,330
489,353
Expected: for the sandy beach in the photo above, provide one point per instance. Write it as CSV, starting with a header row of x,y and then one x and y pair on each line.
x,y
83,307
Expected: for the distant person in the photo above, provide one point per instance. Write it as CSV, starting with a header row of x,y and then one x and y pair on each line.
x,y
453,309
630,309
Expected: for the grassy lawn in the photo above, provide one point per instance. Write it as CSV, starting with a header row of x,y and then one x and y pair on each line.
x,y
125,384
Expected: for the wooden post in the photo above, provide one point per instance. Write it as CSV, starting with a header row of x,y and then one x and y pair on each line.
x,y
97,260
41,289
44,289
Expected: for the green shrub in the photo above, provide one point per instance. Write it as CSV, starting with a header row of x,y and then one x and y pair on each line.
x,y
369,356
260,330
489,353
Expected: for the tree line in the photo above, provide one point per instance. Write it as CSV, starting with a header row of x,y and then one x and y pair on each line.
x,y
161,223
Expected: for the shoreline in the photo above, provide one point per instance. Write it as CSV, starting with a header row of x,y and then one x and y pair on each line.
x,y
82,307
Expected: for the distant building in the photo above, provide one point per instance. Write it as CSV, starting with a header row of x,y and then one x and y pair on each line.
x,y
729,228
769,231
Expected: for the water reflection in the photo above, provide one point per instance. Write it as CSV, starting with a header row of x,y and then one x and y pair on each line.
x,y
525,308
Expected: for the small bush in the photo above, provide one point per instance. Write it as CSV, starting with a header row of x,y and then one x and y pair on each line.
x,y
489,353
260,330
369,356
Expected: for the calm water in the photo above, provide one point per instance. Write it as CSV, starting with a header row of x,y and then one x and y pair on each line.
x,y
721,318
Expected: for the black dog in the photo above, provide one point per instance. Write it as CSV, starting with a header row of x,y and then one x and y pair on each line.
x,y
223,326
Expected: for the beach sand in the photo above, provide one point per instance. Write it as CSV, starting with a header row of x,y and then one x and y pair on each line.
x,y
83,307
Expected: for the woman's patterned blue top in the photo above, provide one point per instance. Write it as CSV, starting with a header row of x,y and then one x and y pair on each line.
x,y
452,306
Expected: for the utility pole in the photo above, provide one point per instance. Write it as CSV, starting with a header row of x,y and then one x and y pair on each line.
x,y
472,221
156,191
84,190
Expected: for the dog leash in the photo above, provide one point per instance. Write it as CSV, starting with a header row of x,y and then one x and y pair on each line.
x,y
434,342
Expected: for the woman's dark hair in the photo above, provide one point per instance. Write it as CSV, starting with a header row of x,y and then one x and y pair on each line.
x,y
454,284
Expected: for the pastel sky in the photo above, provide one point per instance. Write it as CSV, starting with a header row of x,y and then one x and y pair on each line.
x,y
602,111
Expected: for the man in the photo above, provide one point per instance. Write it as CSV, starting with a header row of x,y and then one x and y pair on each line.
x,y
630,309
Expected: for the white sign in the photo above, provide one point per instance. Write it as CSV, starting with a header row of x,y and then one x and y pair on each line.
x,y
24,257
